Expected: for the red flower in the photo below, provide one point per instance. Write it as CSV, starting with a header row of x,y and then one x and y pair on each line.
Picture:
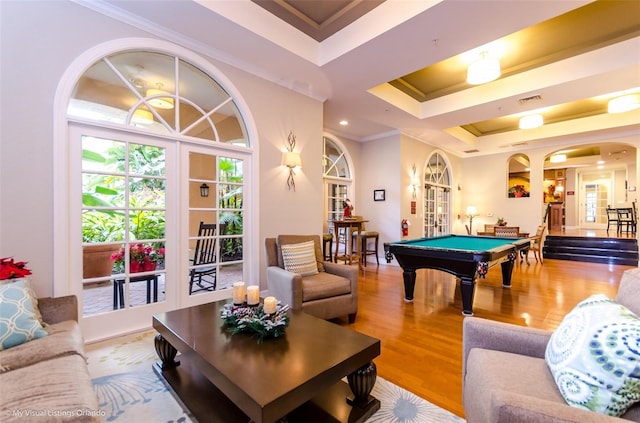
x,y
10,269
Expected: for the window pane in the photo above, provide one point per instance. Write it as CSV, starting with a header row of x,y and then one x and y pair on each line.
x,y
146,224
102,155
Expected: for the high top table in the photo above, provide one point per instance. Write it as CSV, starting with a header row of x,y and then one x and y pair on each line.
x,y
231,378
349,224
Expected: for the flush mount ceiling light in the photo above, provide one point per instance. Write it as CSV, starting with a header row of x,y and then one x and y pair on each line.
x,y
558,158
483,70
625,103
531,121
159,102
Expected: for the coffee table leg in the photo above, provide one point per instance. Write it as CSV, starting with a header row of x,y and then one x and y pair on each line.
x,y
361,383
166,352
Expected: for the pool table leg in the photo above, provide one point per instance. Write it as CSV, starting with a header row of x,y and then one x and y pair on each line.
x,y
467,288
409,277
507,271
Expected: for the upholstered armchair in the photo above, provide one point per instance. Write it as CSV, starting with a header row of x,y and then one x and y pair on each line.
x,y
329,293
506,378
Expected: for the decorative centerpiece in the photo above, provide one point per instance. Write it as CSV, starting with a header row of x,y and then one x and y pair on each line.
x,y
256,319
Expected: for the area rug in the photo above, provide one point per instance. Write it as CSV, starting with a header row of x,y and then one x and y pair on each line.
x,y
128,389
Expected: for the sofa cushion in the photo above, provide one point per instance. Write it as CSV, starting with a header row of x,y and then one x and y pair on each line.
x,y
300,258
18,323
491,371
324,285
594,356
65,338
58,390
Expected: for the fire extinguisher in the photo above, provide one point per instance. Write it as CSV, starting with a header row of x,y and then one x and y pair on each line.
x,y
405,227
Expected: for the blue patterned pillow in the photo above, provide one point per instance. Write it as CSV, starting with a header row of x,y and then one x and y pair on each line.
x,y
18,323
594,356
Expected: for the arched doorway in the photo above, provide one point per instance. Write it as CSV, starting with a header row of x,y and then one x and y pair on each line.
x,y
437,196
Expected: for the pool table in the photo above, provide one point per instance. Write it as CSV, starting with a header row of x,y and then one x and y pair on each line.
x,y
464,256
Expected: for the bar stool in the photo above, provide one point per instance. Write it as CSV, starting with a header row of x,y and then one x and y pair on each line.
x,y
365,237
327,239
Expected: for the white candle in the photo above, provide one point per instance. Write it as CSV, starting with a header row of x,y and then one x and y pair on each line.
x,y
253,294
270,305
238,292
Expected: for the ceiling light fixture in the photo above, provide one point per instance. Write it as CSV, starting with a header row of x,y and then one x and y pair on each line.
x,y
142,117
159,102
344,122
558,158
483,70
531,121
625,103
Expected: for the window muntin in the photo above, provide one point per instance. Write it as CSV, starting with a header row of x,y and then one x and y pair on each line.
x,y
116,90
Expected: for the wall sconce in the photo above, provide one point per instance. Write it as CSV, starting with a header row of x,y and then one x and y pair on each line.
x,y
472,211
204,190
292,160
415,181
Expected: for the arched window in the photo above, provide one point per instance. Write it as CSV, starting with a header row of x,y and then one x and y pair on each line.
x,y
437,196
337,180
160,93
156,146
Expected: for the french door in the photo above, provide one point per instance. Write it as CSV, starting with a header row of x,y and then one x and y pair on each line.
x,y
124,200
142,198
595,195
436,210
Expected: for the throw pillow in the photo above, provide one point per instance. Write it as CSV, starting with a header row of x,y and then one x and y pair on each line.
x,y
300,258
594,356
17,317
32,295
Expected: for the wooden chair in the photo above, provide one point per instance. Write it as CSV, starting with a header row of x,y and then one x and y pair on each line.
x,y
489,227
536,243
612,217
507,231
626,219
204,262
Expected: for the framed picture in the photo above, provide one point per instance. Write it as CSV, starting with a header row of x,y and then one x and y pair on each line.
x,y
378,195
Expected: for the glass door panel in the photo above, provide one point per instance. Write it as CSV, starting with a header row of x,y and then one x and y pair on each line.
x,y
216,222
123,215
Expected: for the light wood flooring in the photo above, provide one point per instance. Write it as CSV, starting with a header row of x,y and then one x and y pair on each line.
x,y
422,341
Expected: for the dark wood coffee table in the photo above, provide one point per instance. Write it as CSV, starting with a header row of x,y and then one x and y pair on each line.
x,y
230,378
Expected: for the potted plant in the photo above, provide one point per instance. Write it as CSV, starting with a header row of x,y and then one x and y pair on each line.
x,y
501,222
10,269
98,229
142,258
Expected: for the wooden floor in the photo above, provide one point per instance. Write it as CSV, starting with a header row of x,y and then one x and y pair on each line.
x,y
422,341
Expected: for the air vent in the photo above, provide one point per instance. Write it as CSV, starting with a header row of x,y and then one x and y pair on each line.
x,y
526,100
472,151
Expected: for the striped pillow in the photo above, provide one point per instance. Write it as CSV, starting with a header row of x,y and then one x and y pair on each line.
x,y
300,258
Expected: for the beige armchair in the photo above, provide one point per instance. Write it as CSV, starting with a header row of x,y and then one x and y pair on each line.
x,y
505,377
331,293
